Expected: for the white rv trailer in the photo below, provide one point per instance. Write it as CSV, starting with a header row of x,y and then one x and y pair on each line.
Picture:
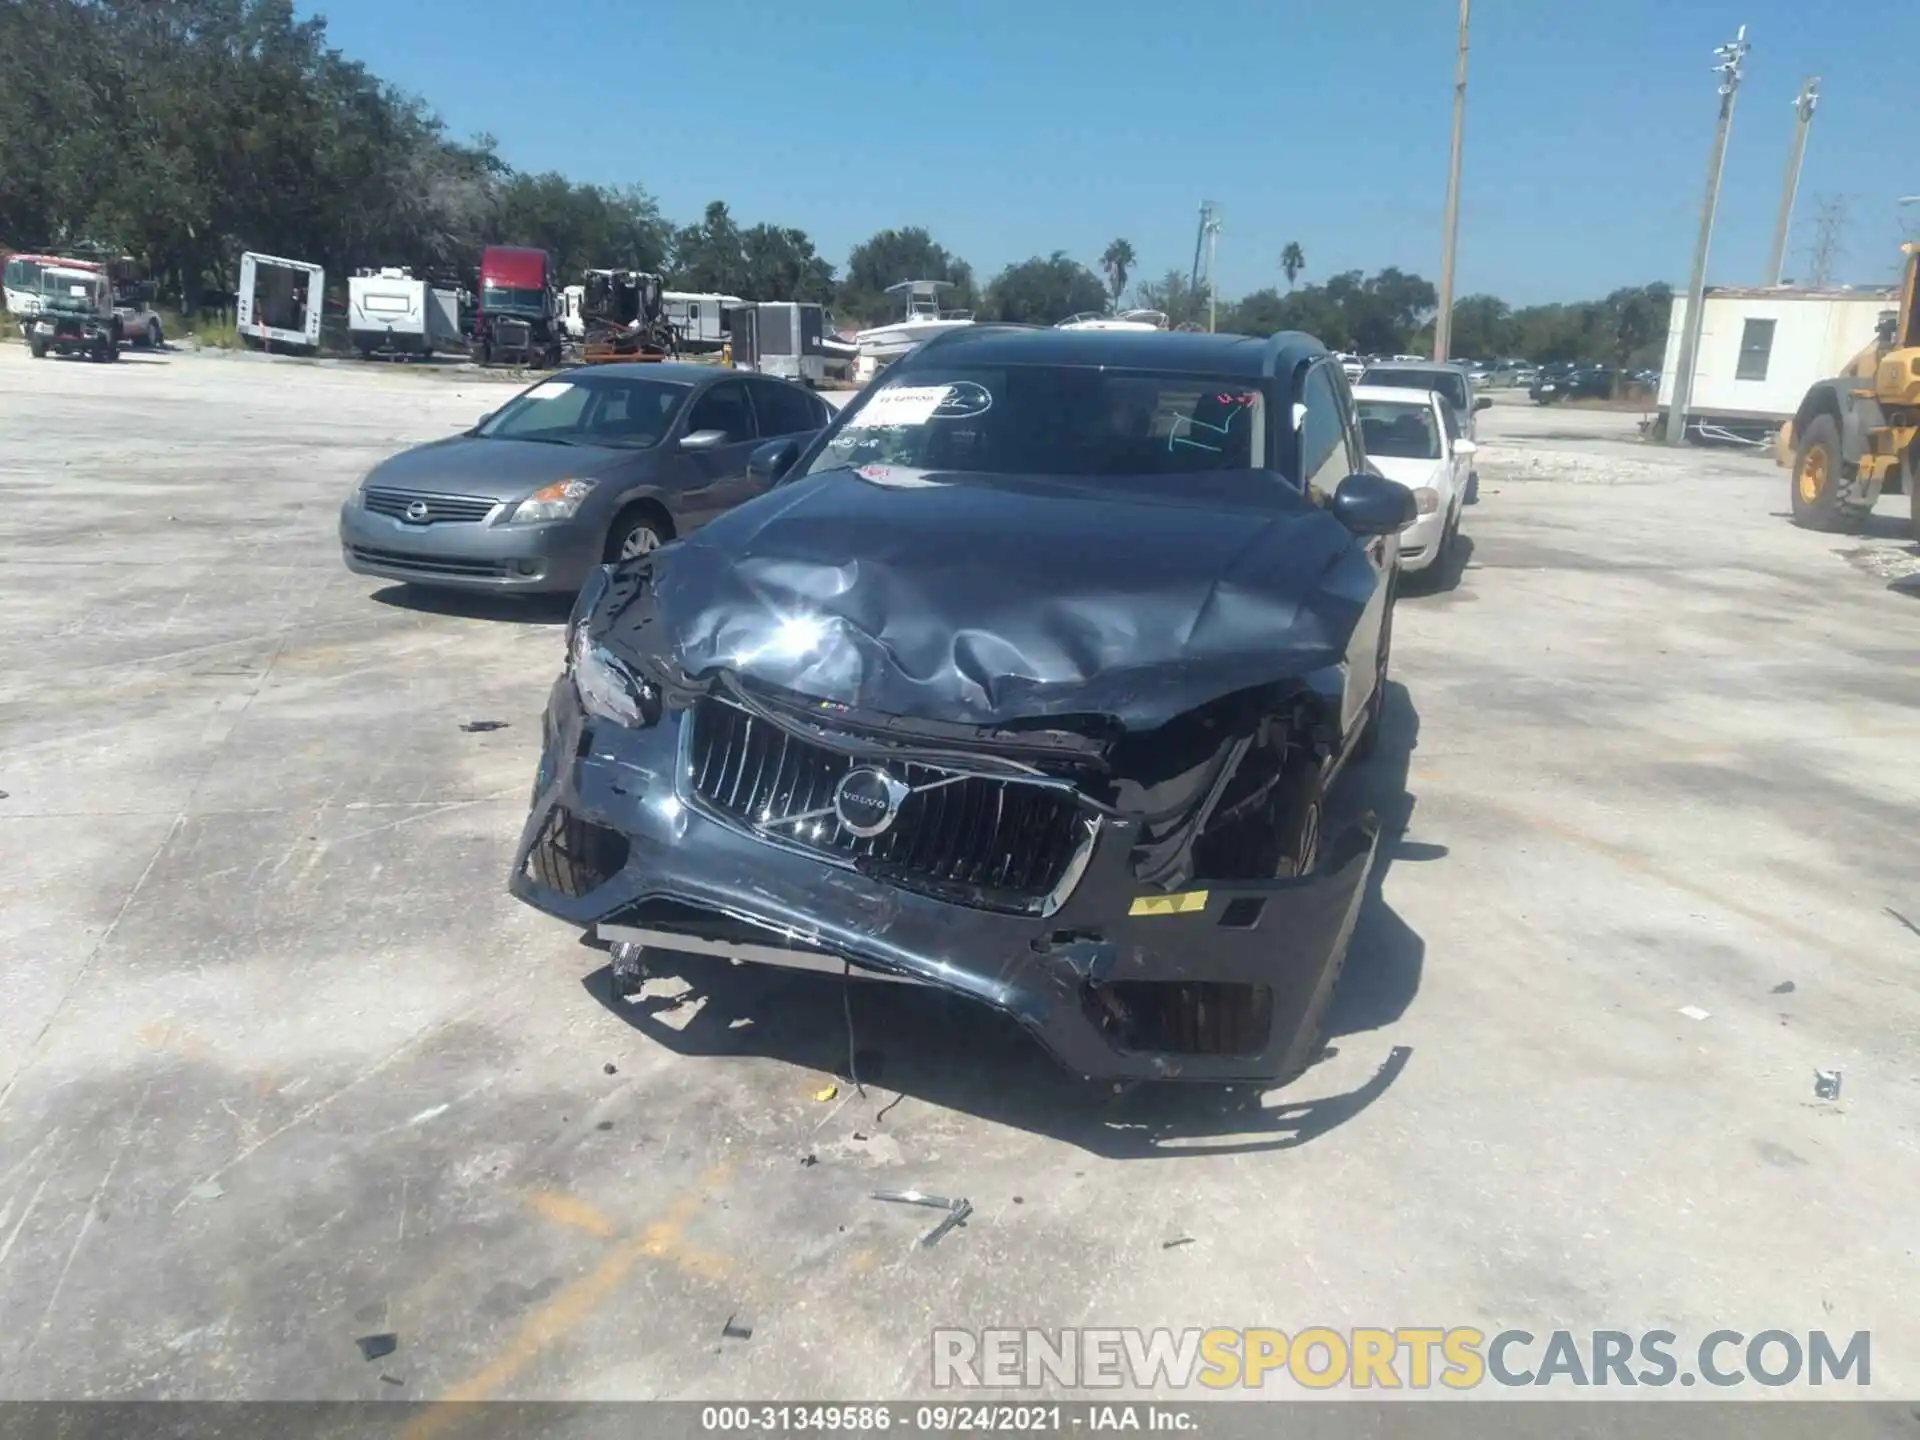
x,y
1762,346
280,300
699,319
388,310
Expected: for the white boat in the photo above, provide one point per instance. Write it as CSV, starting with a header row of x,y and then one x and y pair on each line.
x,y
1126,320
923,318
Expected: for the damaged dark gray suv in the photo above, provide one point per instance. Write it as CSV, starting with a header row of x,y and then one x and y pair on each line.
x,y
1027,679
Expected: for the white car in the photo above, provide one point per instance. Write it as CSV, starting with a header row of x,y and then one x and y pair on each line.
x,y
1414,437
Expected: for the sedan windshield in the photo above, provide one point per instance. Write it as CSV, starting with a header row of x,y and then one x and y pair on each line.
x,y
616,411
1052,420
1451,384
1401,431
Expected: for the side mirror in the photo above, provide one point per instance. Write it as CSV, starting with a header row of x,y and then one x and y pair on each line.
x,y
1374,505
1483,402
703,439
772,460
1465,447
481,423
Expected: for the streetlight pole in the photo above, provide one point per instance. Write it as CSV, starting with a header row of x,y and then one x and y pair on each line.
x,y
1443,322
1731,57
1803,109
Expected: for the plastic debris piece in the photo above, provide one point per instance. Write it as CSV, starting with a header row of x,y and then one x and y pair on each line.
x,y
860,1135
482,727
604,1125
1785,987
1826,1084
826,1093
1176,1242
1694,1012
809,1160
391,1379
207,1190
376,1347
736,1328
610,1068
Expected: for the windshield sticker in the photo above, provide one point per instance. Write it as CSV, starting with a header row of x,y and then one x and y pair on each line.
x,y
899,477
548,390
899,405
965,399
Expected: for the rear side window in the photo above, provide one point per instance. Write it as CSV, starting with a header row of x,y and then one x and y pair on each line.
x,y
785,409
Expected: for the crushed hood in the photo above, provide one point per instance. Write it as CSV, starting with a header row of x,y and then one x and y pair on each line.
x,y
989,599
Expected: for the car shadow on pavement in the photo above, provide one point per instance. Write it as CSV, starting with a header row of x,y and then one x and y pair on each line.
x,y
948,1051
1444,578
459,604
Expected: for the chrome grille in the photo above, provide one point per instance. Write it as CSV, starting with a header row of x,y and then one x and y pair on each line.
x,y
999,844
432,564
512,334
441,509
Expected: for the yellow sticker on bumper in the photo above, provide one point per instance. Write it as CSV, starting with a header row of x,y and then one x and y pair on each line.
x,y
1186,904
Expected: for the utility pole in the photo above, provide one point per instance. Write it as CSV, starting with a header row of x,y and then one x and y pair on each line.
x,y
1730,57
1803,109
1443,322
1213,289
1206,242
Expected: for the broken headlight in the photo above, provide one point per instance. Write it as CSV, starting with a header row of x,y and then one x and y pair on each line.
x,y
607,688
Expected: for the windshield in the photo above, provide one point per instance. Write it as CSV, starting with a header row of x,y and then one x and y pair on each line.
x,y
71,290
1052,420
1451,384
505,300
1400,430
607,410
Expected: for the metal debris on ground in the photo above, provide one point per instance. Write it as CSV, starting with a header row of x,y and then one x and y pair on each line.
x,y
207,1190
1785,987
958,1209
1694,1012
808,1160
826,1093
1826,1084
391,1379
482,727
736,1329
1176,1242
377,1347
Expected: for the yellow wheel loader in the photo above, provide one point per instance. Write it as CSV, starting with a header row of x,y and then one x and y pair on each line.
x,y
1856,437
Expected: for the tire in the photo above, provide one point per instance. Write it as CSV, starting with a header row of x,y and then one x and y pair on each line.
x,y
155,339
1368,741
37,347
111,353
635,532
1473,488
1827,493
1298,815
559,860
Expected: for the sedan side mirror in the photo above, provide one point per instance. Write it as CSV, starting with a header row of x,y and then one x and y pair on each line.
x,y
1483,402
1374,505
1465,447
481,423
772,460
703,439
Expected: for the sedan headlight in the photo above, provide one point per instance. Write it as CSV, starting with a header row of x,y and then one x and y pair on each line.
x,y
1427,499
607,688
558,501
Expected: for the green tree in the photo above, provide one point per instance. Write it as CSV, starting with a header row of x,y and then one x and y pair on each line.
x,y
711,257
780,264
890,257
1117,263
1292,261
1044,291
1174,296
1482,327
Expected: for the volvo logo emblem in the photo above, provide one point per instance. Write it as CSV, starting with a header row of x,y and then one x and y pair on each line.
x,y
867,801
417,511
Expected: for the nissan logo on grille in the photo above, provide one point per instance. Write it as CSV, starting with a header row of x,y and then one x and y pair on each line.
x,y
867,800
417,510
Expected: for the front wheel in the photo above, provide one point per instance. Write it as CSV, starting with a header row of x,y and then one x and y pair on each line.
x,y
1828,493
633,535
154,338
38,347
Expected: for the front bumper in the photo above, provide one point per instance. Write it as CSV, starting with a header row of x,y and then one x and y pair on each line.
x,y
474,555
1420,541
1117,984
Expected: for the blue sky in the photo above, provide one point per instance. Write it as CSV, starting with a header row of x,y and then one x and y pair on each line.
x,y
1015,127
